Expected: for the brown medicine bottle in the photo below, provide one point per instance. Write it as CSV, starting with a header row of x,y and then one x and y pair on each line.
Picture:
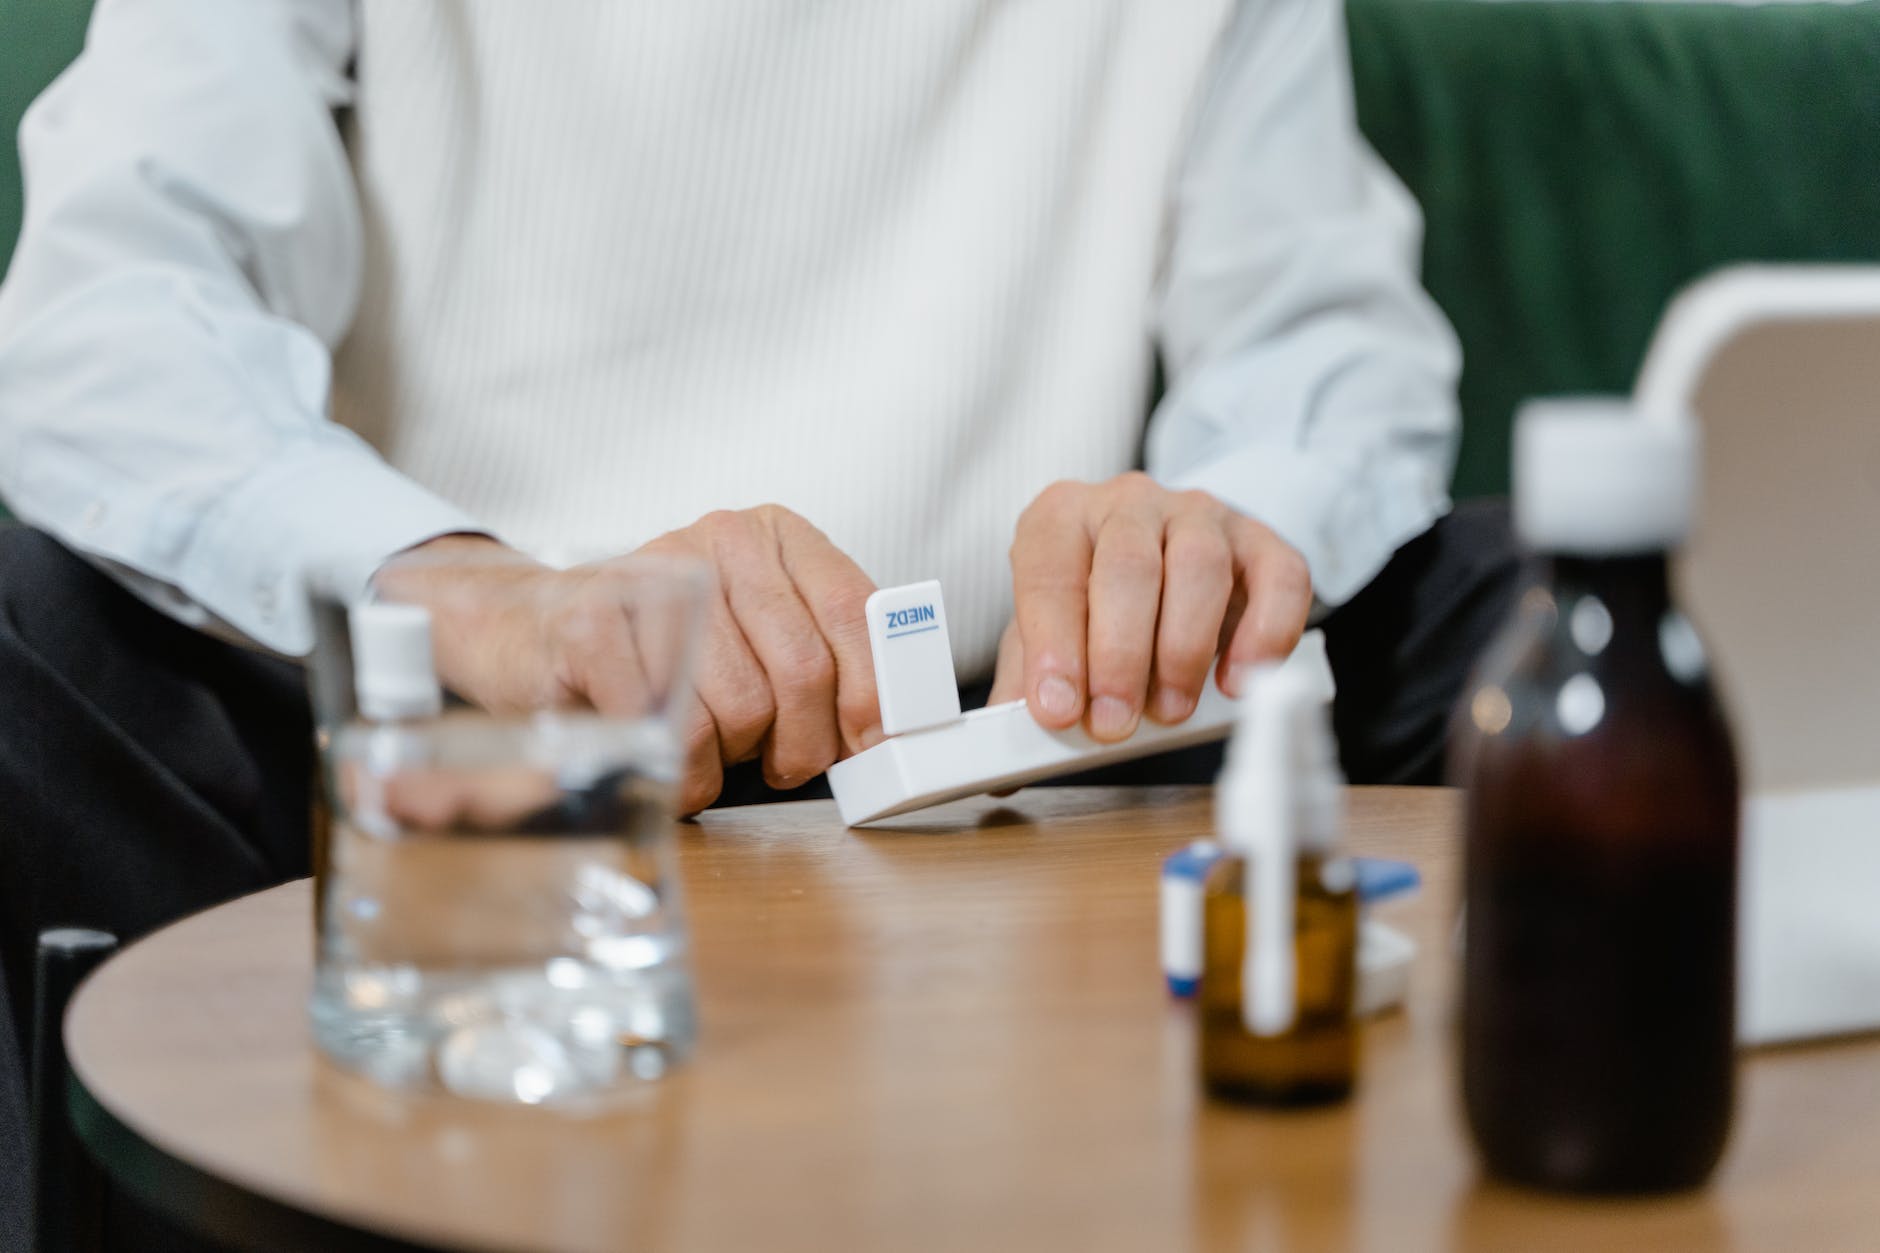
x,y
1598,991
1280,911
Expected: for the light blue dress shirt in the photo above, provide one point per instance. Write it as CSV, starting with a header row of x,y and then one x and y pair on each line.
x,y
167,325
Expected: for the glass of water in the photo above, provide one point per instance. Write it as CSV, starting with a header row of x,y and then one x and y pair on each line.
x,y
498,906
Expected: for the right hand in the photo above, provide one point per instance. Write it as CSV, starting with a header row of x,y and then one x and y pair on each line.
x,y
784,670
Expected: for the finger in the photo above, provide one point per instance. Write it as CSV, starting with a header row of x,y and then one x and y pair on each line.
x,y
836,592
704,775
731,684
1278,590
1051,555
728,678
1125,595
802,740
1197,581
1008,675
495,799
598,657
630,669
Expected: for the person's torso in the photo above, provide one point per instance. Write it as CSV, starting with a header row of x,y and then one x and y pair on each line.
x,y
889,265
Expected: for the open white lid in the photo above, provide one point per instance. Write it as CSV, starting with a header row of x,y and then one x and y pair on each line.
x,y
1777,365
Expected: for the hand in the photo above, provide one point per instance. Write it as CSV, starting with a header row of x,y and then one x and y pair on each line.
x,y
784,671
1125,593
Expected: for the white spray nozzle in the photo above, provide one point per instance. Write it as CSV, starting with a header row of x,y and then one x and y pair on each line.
x,y
393,672
1281,792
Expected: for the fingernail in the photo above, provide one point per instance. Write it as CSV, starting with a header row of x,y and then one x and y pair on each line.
x,y
1172,704
871,736
1110,718
1057,698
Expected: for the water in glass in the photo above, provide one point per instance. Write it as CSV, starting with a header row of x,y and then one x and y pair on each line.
x,y
499,912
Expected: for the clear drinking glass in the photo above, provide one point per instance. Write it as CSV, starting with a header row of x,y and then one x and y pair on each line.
x,y
498,906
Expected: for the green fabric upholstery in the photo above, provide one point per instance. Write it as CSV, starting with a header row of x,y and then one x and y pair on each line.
x,y
1577,162
38,38
1580,162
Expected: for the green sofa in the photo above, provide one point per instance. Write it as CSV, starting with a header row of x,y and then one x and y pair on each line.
x,y
1578,162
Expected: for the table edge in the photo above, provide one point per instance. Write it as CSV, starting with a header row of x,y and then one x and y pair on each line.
x,y
203,1203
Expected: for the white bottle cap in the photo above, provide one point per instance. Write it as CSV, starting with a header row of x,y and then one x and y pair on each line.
x,y
1283,746
393,673
1593,476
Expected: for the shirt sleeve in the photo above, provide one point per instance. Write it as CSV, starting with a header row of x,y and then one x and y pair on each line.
x,y
1311,379
191,255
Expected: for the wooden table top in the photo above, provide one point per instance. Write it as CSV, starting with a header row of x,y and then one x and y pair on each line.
x,y
948,1034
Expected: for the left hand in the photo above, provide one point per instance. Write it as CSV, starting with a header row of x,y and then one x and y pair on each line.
x,y
1125,593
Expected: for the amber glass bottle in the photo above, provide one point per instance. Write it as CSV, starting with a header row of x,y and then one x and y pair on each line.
x,y
1317,1058
1601,849
1279,957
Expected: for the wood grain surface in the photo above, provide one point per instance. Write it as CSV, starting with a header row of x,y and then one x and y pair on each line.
x,y
947,1034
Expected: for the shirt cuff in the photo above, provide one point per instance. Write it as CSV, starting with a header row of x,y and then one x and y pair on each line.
x,y
1345,520
321,519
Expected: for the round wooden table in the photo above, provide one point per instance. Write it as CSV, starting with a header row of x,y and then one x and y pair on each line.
x,y
949,1033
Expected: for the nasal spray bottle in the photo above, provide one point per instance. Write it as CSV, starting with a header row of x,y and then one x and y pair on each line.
x,y
393,675
395,684
1280,911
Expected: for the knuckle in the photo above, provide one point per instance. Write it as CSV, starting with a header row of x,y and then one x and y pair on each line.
x,y
582,624
858,709
1194,500
808,671
1200,552
1058,497
1136,487
1181,660
720,528
1118,654
1134,560
1251,531
847,601
738,544
744,715
701,738
1290,571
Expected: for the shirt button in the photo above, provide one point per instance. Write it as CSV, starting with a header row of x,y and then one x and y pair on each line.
x,y
265,602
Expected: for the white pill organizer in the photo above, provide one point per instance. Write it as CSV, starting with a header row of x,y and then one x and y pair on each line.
x,y
934,753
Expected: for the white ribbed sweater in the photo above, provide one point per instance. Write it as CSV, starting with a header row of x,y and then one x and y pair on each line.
x,y
887,264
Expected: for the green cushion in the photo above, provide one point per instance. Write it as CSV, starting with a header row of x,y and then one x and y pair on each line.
x,y
1579,162
38,38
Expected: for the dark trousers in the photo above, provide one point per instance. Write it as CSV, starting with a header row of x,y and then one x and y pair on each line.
x,y
148,771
